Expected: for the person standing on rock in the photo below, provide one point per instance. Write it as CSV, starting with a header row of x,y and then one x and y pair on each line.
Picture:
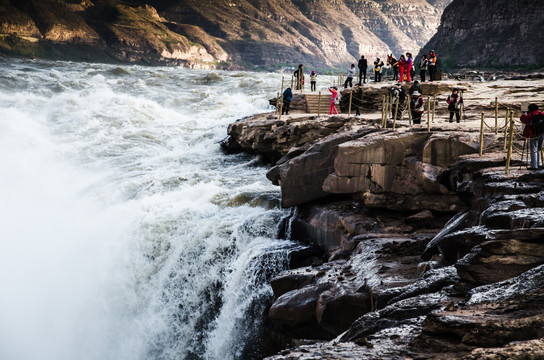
x,y
409,66
432,65
299,77
397,94
378,64
533,119
287,97
357,99
402,68
334,100
349,78
362,65
423,67
418,107
313,80
454,105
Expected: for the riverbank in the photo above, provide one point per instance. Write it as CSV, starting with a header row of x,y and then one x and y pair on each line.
x,y
415,235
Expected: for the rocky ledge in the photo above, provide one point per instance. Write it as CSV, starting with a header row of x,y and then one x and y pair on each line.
x,y
421,248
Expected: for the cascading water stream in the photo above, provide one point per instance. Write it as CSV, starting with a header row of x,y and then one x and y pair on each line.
x,y
125,232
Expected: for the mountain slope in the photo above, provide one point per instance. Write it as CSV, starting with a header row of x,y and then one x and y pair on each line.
x,y
247,33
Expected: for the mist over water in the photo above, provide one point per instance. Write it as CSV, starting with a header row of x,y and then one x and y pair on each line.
x,y
125,232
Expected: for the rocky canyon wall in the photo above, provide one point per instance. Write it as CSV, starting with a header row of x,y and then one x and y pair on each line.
x,y
485,33
242,33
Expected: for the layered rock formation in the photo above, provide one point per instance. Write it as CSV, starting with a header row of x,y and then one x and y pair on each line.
x,y
260,33
427,249
484,33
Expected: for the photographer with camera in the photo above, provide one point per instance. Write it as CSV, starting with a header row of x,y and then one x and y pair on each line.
x,y
534,131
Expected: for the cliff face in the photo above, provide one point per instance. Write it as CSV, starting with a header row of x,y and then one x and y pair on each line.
x,y
498,33
250,33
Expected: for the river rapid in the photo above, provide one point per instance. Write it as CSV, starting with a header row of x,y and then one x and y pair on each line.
x,y
125,232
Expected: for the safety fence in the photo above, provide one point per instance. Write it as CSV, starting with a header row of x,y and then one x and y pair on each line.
x,y
505,124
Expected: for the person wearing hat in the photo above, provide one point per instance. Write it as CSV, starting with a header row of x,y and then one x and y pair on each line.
x,y
378,64
534,121
313,80
418,107
287,97
454,105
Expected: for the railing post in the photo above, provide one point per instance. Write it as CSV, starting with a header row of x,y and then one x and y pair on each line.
x,y
409,114
396,113
509,156
434,106
428,114
482,135
461,108
496,115
383,111
319,104
506,126
350,99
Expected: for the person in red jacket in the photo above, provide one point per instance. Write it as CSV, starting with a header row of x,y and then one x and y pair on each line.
x,y
334,97
533,119
402,68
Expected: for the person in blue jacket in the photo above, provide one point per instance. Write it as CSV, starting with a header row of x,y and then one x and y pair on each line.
x,y
287,97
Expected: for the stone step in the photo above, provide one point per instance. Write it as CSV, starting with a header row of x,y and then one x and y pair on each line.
x,y
313,102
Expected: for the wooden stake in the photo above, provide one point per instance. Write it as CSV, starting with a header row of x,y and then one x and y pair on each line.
x,y
428,114
409,114
319,104
383,111
277,102
496,115
434,105
482,135
350,99
506,126
396,113
509,156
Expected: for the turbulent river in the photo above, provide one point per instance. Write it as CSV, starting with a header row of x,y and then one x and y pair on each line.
x,y
125,232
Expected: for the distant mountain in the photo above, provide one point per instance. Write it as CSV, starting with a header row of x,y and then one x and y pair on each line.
x,y
210,33
485,33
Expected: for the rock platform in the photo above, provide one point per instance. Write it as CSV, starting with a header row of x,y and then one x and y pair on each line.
x,y
426,249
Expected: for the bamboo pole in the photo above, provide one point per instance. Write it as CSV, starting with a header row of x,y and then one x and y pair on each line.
x,y
434,106
319,104
383,111
428,114
277,103
396,113
350,99
506,127
409,114
292,79
482,135
496,115
509,156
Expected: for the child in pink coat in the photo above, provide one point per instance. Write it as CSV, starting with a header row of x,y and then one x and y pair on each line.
x,y
334,92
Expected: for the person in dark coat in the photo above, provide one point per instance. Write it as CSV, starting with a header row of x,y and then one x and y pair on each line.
x,y
362,65
415,87
423,67
531,118
357,99
378,64
287,97
454,105
299,77
418,107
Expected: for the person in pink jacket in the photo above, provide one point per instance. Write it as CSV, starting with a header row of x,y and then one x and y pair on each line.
x,y
402,68
334,95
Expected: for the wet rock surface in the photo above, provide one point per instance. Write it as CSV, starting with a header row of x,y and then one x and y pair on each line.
x,y
426,250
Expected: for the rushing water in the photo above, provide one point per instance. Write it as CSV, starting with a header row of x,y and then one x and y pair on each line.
x,y
125,232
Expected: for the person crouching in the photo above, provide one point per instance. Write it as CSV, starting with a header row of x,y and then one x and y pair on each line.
x,y
418,107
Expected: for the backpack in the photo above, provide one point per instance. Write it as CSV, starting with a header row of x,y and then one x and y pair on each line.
x,y
538,123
